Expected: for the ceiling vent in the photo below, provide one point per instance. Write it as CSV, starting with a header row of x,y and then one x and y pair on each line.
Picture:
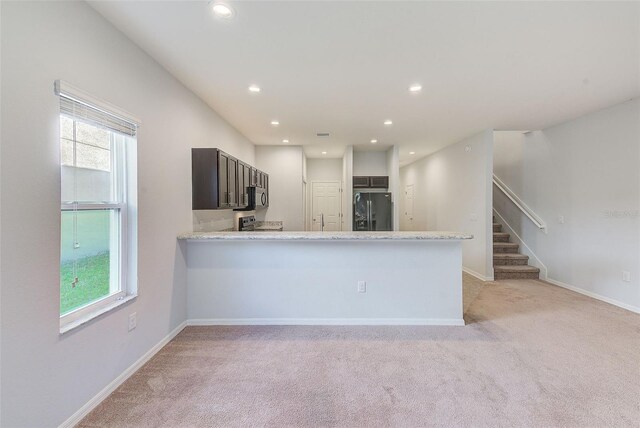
x,y
322,134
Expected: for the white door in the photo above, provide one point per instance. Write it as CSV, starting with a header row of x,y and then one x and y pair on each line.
x,y
326,206
408,206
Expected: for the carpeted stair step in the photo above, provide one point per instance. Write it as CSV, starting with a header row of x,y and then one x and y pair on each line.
x,y
505,247
497,227
507,259
516,272
500,237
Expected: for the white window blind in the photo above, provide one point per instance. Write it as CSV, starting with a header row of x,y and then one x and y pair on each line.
x,y
79,105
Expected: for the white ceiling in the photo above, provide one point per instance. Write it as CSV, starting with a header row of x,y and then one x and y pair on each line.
x,y
345,67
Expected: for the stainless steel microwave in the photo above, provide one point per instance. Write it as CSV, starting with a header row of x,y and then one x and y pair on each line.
x,y
258,198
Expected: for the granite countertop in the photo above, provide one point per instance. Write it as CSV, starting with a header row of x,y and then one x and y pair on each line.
x,y
269,227
323,236
274,226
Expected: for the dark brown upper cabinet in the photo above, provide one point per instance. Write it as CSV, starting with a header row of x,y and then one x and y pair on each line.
x,y
220,181
243,184
370,182
206,179
360,182
253,176
379,182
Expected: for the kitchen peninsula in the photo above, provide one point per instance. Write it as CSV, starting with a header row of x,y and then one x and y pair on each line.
x,y
330,278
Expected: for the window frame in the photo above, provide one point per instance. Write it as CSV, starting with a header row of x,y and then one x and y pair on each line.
x,y
97,305
122,206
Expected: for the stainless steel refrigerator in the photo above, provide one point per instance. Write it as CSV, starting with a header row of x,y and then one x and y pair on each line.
x,y
372,211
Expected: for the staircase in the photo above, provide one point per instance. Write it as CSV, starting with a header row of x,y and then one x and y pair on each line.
x,y
507,262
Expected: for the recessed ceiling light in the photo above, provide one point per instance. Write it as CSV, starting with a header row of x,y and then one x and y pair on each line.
x,y
275,123
324,153
222,10
415,88
254,88
412,153
388,122
285,141
374,141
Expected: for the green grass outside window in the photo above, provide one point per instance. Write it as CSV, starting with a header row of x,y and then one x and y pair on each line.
x,y
93,276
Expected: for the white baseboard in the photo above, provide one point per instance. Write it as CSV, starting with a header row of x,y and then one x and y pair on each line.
x,y
97,399
594,295
477,275
327,321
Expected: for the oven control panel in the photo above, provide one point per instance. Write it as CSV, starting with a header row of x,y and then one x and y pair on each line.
x,y
246,223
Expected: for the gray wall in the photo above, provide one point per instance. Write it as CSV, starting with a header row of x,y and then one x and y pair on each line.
x,y
47,377
582,178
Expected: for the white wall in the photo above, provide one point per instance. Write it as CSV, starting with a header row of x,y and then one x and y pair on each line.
x,y
347,195
587,171
304,167
393,170
47,377
305,192
370,163
286,197
452,191
324,170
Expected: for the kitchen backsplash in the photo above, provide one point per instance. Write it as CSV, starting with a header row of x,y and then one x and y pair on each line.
x,y
217,220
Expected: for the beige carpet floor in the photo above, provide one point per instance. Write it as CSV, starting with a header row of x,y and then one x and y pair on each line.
x,y
532,355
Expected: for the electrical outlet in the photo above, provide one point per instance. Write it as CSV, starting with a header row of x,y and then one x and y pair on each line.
x,y
626,276
362,286
133,322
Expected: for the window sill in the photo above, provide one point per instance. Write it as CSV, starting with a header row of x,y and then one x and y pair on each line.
x,y
70,326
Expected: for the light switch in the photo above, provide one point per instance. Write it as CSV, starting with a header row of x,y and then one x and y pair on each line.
x,y
133,321
362,286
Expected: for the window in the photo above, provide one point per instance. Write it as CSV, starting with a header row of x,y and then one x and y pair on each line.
x,y
97,240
